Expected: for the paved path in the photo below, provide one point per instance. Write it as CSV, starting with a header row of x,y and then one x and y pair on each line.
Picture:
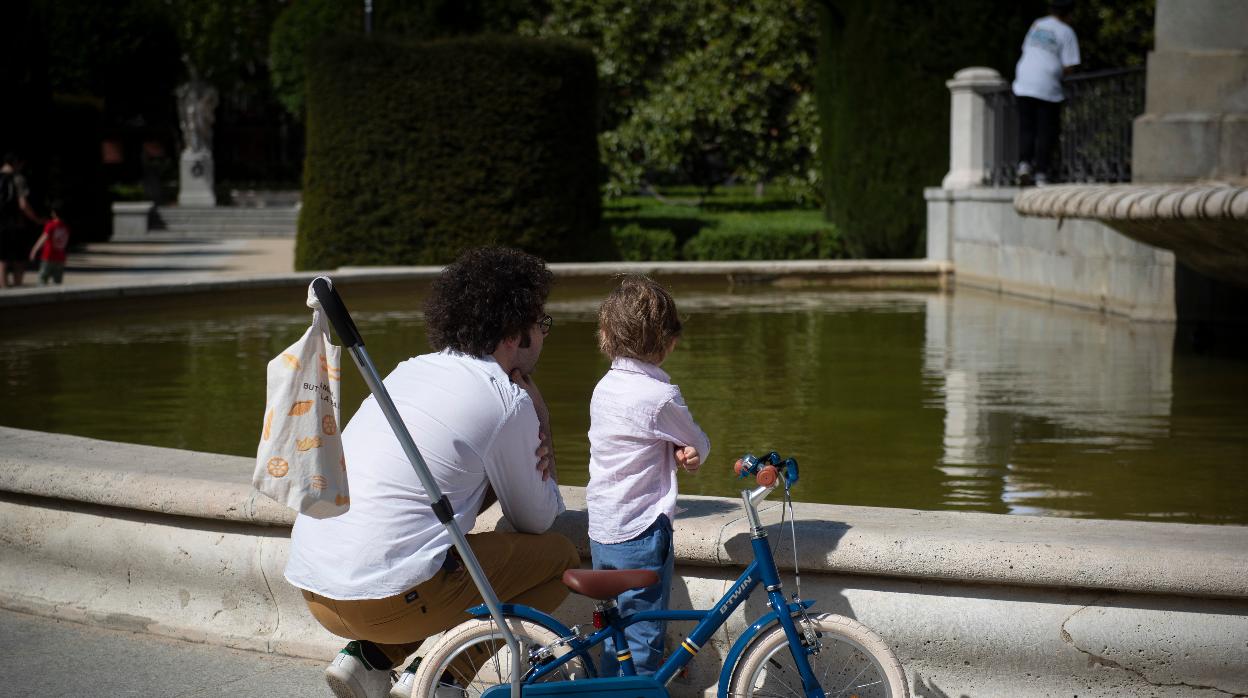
x,y
125,262
47,658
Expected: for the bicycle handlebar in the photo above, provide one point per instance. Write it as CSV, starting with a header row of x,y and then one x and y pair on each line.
x,y
768,470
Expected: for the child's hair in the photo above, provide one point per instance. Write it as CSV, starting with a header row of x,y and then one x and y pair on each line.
x,y
637,320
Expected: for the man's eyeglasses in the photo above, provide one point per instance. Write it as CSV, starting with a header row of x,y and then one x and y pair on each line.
x,y
544,323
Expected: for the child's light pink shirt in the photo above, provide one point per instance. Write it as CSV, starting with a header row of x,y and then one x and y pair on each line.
x,y
636,419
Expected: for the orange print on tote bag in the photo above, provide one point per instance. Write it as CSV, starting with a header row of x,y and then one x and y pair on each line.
x,y
299,461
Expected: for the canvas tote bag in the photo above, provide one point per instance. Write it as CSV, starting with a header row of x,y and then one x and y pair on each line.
x,y
299,462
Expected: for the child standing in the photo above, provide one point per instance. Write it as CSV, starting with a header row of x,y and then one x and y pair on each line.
x,y
53,242
640,432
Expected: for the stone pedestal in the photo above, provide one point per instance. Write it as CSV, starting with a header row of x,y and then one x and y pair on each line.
x,y
131,219
196,179
970,127
1195,125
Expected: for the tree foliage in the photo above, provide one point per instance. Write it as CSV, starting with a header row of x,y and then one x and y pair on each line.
x,y
225,42
1114,33
307,23
699,91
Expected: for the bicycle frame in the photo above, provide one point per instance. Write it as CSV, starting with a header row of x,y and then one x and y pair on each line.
x,y
761,571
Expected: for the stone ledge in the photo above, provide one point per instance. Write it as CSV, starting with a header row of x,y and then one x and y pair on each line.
x,y
1070,554
914,270
1135,202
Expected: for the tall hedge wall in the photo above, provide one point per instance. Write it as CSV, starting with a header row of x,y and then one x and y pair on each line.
x,y
416,151
76,170
884,107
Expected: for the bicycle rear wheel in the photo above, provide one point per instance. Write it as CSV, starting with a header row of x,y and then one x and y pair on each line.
x,y
473,657
852,661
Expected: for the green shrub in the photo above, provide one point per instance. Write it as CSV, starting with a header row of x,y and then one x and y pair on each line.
x,y
634,243
416,151
742,244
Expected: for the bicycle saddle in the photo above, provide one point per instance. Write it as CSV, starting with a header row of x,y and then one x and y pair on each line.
x,y
607,584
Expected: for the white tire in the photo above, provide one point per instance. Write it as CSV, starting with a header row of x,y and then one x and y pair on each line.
x,y
479,646
852,661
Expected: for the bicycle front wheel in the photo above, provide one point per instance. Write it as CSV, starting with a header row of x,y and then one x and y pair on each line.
x,y
473,657
852,661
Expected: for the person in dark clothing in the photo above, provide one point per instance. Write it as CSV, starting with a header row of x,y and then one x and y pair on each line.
x,y
15,212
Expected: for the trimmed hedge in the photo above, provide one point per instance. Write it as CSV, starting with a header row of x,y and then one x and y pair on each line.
x,y
634,243
416,151
732,245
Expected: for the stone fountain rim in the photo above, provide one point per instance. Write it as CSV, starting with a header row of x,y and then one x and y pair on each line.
x,y
1136,202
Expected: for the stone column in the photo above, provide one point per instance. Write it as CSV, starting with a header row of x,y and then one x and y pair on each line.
x,y
197,103
970,127
1195,125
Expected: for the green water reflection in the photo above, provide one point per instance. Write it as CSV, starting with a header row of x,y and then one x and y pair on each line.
x,y
966,402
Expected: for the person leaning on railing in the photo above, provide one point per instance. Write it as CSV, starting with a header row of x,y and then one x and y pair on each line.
x,y
1050,50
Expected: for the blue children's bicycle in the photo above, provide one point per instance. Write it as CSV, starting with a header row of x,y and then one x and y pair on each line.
x,y
793,653
512,650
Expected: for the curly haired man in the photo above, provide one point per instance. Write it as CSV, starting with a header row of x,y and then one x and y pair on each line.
x,y
384,574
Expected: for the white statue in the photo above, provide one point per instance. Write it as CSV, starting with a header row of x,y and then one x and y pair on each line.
x,y
197,104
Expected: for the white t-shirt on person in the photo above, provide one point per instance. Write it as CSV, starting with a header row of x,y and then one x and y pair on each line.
x,y
636,418
474,427
1048,49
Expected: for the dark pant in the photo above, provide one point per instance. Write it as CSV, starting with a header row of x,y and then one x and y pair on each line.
x,y
1038,122
651,550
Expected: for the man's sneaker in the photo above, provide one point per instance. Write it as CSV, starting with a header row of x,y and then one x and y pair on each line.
x,y
350,676
407,680
1042,179
1024,174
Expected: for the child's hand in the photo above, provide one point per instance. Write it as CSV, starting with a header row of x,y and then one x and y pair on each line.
x,y
688,458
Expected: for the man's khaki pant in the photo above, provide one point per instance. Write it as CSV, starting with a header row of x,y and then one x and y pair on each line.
x,y
523,569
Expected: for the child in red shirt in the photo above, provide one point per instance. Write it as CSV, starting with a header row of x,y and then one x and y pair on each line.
x,y
54,242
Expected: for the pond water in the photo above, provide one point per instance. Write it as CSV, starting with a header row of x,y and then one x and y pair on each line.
x,y
966,402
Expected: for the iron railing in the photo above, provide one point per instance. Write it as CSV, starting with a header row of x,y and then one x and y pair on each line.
x,y
1095,140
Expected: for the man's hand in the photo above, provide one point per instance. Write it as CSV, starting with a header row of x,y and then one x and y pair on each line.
x,y
545,455
688,458
539,404
546,448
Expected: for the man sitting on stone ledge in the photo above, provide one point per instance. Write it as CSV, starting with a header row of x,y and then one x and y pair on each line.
x,y
384,574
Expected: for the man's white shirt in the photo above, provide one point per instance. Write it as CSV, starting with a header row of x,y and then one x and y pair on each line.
x,y
1049,47
636,416
474,427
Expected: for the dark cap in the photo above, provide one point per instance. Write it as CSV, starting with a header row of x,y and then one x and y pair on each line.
x,y
1062,4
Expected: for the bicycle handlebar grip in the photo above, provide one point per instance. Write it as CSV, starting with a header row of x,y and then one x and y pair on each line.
x,y
337,313
767,476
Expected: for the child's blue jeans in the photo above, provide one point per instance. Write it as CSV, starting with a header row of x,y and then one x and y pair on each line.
x,y
651,550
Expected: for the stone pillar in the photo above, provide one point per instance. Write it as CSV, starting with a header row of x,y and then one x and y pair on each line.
x,y
1195,125
970,127
197,103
